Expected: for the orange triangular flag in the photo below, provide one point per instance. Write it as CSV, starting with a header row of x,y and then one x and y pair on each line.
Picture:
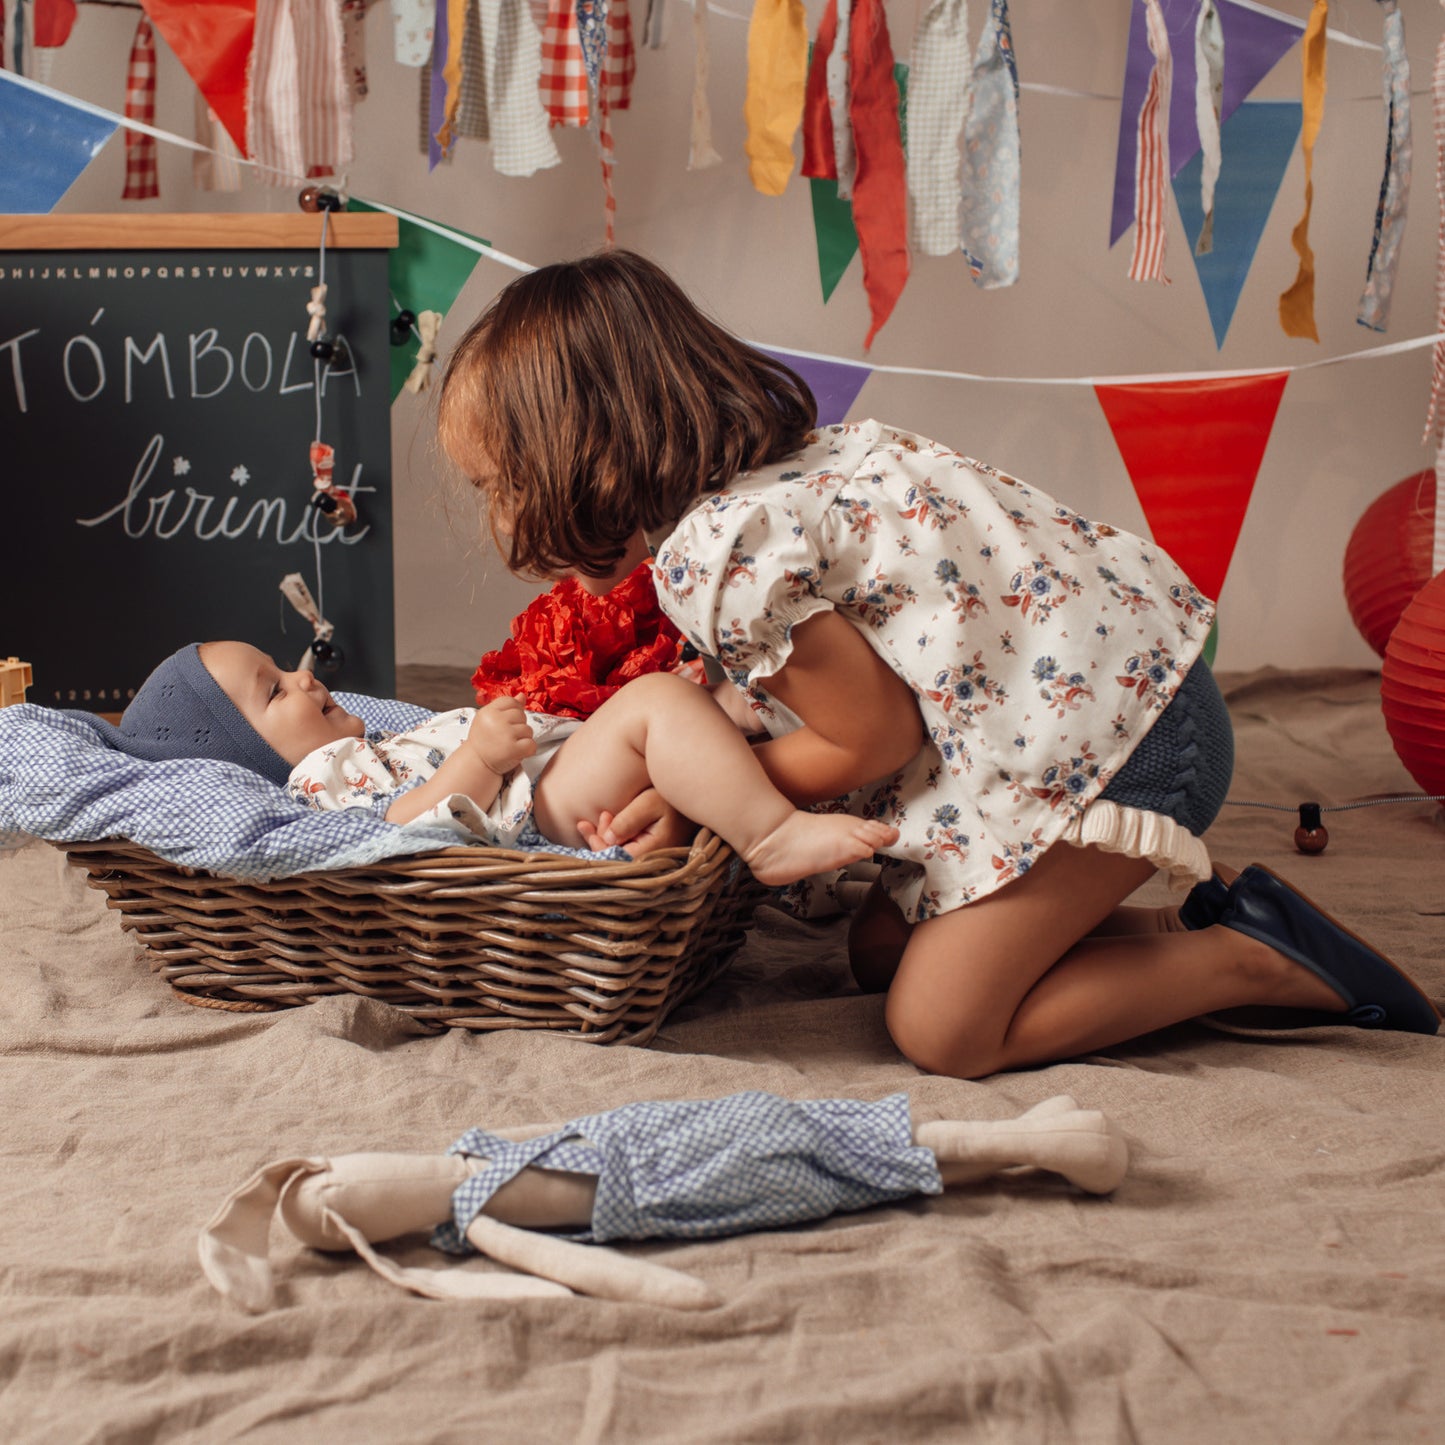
x,y
1192,450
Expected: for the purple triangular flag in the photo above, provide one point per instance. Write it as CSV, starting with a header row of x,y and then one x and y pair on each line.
x,y
1253,45
835,384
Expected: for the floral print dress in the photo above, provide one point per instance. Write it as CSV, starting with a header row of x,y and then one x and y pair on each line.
x,y
1041,646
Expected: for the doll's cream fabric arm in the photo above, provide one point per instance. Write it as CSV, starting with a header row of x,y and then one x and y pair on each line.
x,y
1080,1144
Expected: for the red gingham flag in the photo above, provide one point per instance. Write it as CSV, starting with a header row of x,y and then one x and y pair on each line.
x,y
621,62
1151,171
140,104
563,83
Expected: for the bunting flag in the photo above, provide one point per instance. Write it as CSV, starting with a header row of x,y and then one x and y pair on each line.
x,y
990,211
1194,497
141,181
1297,304
1254,43
777,80
834,234
1384,261
49,141
425,272
835,384
1259,139
213,40
1151,166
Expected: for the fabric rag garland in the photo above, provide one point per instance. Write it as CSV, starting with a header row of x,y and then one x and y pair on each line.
x,y
1208,107
570,651
776,89
990,207
1384,259
937,105
1297,305
141,183
701,152
1151,161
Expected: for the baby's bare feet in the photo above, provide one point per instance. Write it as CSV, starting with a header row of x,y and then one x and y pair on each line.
x,y
807,843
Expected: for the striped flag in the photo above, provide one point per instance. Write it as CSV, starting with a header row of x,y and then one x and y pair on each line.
x,y
1151,166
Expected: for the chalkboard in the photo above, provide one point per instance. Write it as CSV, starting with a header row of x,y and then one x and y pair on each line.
x,y
158,399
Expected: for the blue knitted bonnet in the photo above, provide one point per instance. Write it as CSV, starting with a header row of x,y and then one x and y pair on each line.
x,y
182,712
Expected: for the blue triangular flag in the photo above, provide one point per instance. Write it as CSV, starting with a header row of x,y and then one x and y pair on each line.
x,y
1256,143
49,141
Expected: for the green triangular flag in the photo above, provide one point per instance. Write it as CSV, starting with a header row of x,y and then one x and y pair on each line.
x,y
833,218
425,272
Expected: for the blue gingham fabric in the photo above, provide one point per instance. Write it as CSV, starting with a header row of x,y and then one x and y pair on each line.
x,y
59,781
704,1168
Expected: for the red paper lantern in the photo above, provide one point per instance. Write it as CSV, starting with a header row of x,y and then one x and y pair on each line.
x,y
1412,686
1388,559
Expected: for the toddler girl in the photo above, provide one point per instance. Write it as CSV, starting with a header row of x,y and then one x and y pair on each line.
x,y
1016,688
661,740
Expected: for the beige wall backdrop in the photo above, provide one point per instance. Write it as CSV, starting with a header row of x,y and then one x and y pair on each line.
x,y
1344,433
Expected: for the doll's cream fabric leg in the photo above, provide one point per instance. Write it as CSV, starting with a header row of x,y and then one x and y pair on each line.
x,y
1080,1144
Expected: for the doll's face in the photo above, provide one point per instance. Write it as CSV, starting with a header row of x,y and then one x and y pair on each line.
x,y
293,711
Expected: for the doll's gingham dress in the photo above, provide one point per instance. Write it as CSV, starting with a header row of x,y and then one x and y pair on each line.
x,y
1041,646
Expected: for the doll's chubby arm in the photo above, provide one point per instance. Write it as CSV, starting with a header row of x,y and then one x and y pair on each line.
x,y
498,739
860,719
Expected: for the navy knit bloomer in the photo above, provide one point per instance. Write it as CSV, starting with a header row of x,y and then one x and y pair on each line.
x,y
1183,766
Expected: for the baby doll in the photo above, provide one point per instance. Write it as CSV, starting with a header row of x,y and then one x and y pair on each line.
x,y
691,1169
482,768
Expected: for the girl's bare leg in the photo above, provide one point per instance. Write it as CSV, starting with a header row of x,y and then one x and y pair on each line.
x,y
1015,980
669,733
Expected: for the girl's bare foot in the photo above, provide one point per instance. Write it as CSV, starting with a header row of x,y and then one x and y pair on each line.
x,y
807,843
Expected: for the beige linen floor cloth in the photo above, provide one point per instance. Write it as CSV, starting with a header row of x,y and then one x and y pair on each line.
x,y
1272,1267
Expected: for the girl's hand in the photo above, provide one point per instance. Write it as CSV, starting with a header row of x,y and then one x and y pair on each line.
x,y
647,823
500,735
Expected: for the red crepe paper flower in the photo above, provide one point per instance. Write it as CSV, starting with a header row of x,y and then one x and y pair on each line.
x,y
570,651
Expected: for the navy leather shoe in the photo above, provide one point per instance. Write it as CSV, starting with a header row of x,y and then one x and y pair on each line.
x,y
1201,909
1377,995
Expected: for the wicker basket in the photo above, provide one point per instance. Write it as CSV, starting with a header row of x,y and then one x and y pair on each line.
x,y
475,938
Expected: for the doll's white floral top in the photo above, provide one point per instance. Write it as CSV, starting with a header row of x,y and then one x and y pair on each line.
x,y
1040,645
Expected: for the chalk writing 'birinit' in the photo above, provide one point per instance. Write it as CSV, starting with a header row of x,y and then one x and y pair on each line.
x,y
166,515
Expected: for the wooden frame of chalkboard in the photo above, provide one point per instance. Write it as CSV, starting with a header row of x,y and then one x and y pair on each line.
x,y
158,399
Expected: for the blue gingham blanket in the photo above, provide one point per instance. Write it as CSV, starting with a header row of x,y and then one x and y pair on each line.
x,y
60,781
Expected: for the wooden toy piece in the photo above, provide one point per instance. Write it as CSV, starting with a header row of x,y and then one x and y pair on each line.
x,y
356,1200
15,678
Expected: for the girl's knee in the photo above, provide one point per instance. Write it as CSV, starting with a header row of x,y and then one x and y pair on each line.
x,y
935,1039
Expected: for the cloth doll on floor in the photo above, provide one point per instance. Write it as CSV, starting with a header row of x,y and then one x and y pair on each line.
x,y
542,1199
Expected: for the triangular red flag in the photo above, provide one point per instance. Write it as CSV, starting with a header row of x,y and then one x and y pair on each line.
x,y
213,40
1192,450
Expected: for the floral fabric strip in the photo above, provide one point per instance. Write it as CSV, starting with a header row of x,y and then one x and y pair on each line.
x,y
1208,106
412,30
1151,164
1297,305
1384,259
990,208
938,86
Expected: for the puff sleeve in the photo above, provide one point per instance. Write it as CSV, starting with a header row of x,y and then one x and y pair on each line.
x,y
737,575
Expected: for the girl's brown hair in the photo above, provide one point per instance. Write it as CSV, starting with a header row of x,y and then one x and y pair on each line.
x,y
592,400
